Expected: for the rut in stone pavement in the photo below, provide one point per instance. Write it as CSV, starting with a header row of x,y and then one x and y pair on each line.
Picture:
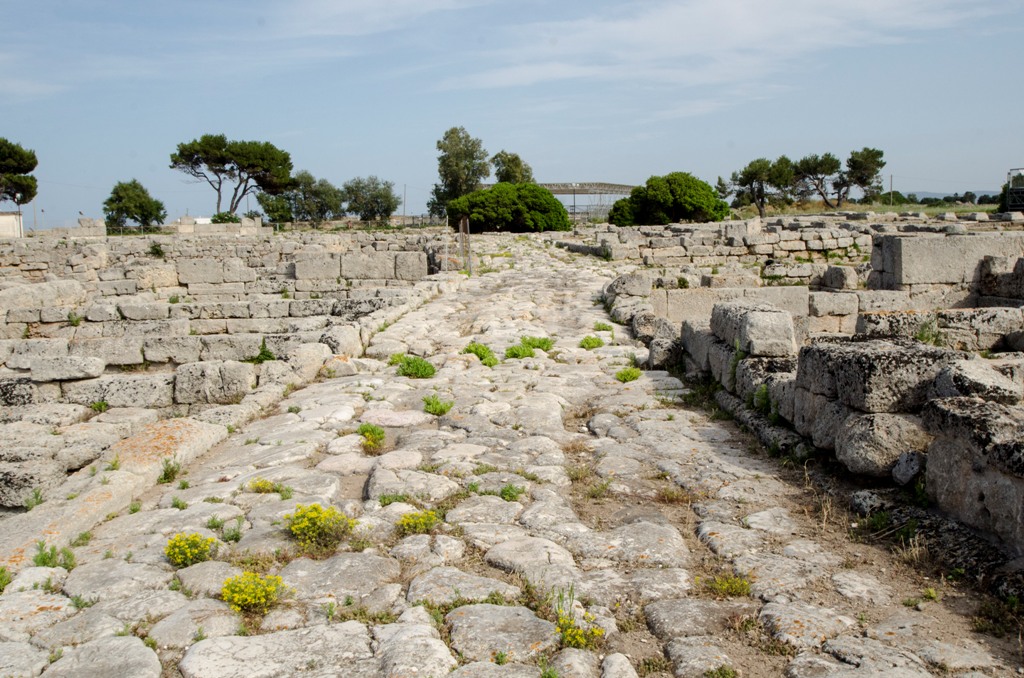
x,y
586,526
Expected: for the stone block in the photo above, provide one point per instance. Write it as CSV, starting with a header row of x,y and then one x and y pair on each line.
x,y
343,340
230,347
307,359
156,276
42,295
630,284
870,444
17,391
126,390
359,266
978,379
152,311
310,307
172,349
752,373
66,369
790,298
269,308
873,376
236,270
892,324
99,313
693,304
840,278
24,315
217,381
224,309
200,271
25,352
18,480
756,329
950,259
832,303
317,266
411,265
975,469
122,351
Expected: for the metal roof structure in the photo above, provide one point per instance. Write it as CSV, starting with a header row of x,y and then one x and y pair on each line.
x,y
584,188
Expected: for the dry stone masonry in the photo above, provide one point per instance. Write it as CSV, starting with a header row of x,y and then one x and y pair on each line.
x,y
560,519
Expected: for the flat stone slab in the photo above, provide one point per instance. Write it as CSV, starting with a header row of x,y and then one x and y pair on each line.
x,y
728,540
395,418
696,656
330,650
443,585
114,578
22,659
428,486
539,560
772,575
413,650
643,544
687,617
492,670
85,626
181,628
862,587
25,612
117,656
773,521
207,578
485,509
479,632
872,657
346,574
801,625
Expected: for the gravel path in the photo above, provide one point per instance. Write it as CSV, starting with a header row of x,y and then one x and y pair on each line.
x,y
555,522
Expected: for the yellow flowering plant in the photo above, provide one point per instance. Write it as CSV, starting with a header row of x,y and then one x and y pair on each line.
x,y
318,529
188,549
251,592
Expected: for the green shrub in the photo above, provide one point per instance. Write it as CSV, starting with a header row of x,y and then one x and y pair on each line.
x,y
415,367
99,406
318,529
252,593
511,492
5,578
373,437
51,557
34,499
483,352
728,586
628,374
156,250
435,406
591,342
515,207
263,356
183,549
420,522
602,327
518,351
169,470
225,218
543,343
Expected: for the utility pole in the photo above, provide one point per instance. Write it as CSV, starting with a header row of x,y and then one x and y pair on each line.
x,y
890,190
403,203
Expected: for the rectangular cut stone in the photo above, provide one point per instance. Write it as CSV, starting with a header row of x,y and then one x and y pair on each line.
x,y
230,347
379,265
317,267
832,303
236,270
950,258
121,351
128,390
172,349
155,311
24,352
411,265
65,369
192,271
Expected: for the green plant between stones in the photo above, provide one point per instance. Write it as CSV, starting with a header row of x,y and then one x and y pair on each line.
x,y
318,529
432,404
252,593
628,374
591,342
483,352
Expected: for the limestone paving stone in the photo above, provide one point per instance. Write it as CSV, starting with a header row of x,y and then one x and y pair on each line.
x,y
411,649
21,660
206,578
22,613
346,574
642,544
180,628
801,625
479,632
443,585
488,669
105,657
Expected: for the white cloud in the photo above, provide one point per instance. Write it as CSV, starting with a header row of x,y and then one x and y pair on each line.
x,y
311,18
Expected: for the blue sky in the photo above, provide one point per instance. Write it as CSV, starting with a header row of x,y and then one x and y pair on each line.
x,y
104,91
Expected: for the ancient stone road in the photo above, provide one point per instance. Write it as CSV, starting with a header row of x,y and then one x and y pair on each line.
x,y
590,528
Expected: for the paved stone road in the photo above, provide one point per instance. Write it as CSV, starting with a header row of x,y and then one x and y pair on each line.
x,y
589,528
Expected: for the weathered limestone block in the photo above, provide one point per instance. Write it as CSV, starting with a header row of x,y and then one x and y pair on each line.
x,y
870,444
121,351
832,303
156,275
948,259
343,340
18,479
302,308
411,265
172,349
269,308
126,390
697,339
631,284
644,324
17,391
892,324
840,278
42,295
752,373
359,266
230,347
663,345
977,378
217,381
317,266
307,359
885,300
756,329
199,271
29,350
236,270
721,358
975,468
872,376
224,309
66,369
150,311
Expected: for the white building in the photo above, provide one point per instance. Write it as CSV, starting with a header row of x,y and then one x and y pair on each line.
x,y
11,226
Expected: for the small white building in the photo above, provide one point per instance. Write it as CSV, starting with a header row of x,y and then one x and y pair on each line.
x,y
11,226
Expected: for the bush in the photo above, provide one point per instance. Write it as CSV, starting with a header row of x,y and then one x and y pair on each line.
x,y
483,352
435,406
591,342
225,218
420,522
183,550
373,436
415,367
543,343
677,196
518,351
511,207
263,356
51,557
318,529
252,593
628,374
